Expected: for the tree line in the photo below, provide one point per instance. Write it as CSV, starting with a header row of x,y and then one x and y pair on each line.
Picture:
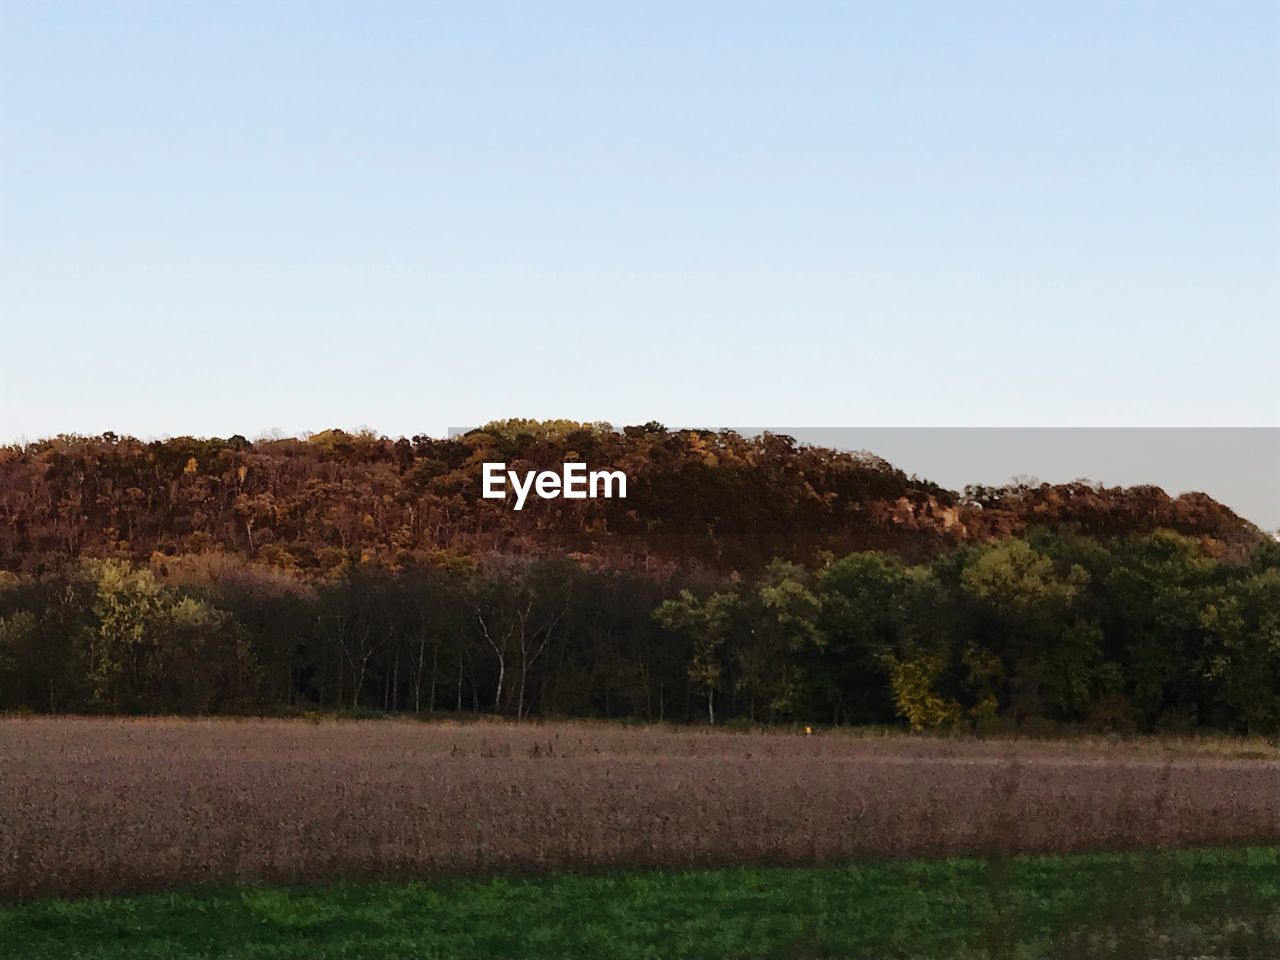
x,y
1136,631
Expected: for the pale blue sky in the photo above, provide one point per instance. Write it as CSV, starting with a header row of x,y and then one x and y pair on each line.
x,y
230,217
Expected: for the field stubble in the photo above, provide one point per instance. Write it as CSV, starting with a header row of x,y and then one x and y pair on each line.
x,y
122,806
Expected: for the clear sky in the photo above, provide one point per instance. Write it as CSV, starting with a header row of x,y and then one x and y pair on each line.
x,y
224,218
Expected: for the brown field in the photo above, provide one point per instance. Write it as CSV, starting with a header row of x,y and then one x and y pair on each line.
x,y
95,806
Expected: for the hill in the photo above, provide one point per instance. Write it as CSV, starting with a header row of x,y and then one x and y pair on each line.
x,y
715,499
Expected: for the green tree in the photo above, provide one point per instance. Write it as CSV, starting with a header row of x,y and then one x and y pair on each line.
x,y
1155,596
705,623
864,616
779,632
1025,618
1242,625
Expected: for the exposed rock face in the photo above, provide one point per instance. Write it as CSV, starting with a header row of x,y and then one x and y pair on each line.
x,y
1113,510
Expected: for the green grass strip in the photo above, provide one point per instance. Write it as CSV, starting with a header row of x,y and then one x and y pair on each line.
x,y
1211,903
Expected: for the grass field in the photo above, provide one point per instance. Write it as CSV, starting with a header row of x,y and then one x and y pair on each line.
x,y
1201,904
282,839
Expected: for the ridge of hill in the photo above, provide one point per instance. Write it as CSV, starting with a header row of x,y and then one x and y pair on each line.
x,y
713,498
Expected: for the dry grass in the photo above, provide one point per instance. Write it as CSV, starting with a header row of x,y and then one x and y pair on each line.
x,y
96,806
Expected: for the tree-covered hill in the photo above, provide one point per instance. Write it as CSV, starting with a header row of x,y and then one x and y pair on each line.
x,y
713,499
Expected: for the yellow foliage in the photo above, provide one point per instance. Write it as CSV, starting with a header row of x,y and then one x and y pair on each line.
x,y
917,702
984,709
